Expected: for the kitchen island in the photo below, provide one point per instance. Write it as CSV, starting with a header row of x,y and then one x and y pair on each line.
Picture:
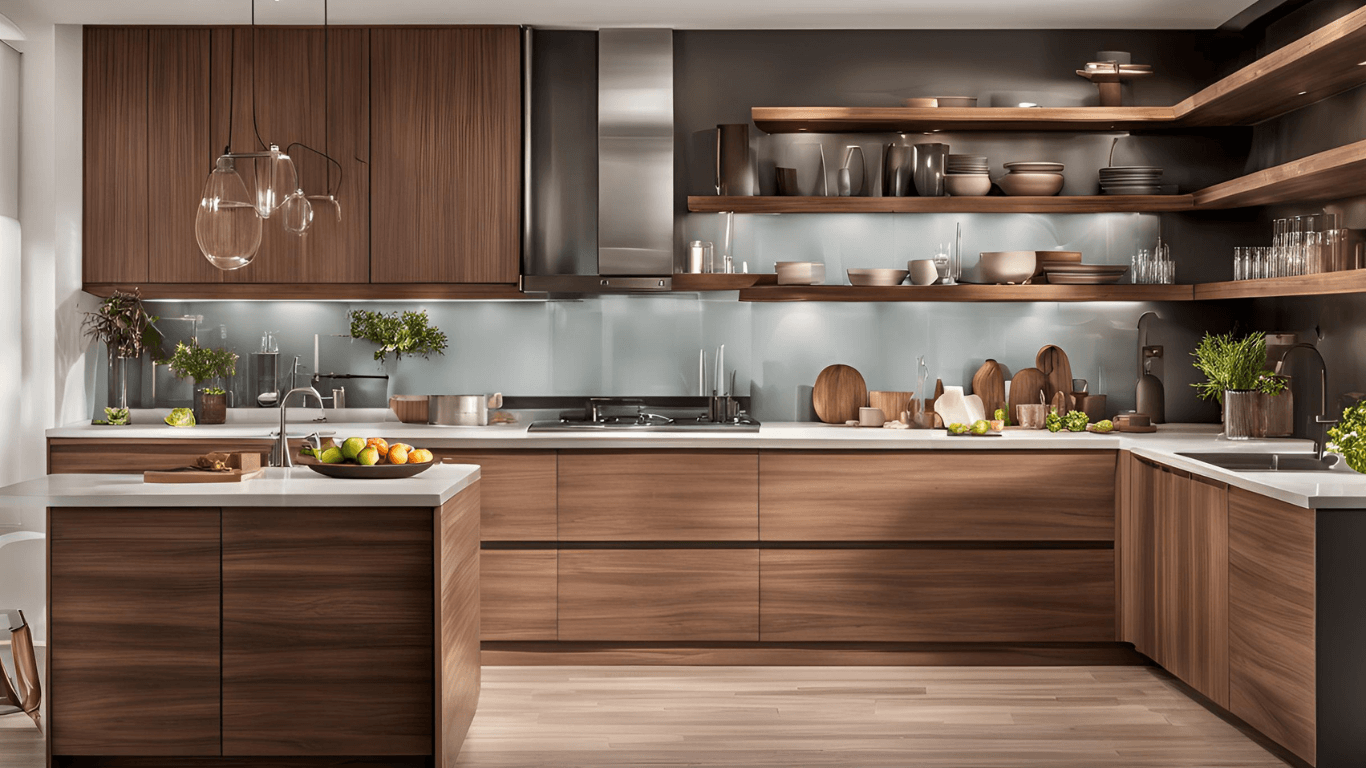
x,y
292,619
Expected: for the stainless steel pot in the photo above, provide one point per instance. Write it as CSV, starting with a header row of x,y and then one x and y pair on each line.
x,y
461,410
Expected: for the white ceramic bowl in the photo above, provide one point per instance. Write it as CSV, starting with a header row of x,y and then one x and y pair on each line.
x,y
1031,184
967,184
877,276
997,267
922,271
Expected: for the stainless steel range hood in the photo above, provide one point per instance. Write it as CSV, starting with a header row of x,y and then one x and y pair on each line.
x,y
599,161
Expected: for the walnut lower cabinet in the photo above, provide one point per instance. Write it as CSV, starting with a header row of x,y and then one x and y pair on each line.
x,y
249,636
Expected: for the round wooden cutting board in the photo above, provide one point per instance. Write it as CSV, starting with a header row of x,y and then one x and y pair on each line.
x,y
839,392
1057,370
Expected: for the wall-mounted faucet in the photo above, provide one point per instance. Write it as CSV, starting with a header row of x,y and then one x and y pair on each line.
x,y
1321,419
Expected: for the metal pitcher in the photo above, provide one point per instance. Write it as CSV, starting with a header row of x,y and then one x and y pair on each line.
x,y
929,161
896,171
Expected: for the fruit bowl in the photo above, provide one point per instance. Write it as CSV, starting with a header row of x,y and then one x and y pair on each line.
x,y
362,472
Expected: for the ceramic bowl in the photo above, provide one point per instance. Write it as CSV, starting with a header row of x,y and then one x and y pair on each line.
x,y
877,276
1000,267
922,271
800,272
1031,184
921,103
967,184
957,101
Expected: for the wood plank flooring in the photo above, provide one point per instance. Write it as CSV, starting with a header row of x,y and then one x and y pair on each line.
x,y
793,717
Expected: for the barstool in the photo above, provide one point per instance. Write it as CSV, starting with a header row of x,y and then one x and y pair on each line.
x,y
23,692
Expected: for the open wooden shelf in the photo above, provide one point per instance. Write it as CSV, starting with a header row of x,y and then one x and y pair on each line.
x,y
312,291
936,293
687,282
1352,281
1325,62
1335,173
988,204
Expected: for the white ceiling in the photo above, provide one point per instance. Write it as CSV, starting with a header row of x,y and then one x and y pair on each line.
x,y
678,14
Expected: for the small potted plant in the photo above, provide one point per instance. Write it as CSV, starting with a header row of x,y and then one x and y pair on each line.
x,y
397,335
207,367
1236,376
1348,437
128,331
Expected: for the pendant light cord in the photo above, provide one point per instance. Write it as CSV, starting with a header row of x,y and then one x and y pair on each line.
x,y
254,62
232,87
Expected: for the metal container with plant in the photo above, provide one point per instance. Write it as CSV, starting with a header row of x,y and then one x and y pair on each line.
x,y
127,331
1236,376
207,366
408,333
1348,437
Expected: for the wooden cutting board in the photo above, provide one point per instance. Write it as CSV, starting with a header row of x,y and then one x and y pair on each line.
x,y
891,403
1057,371
1025,389
196,475
839,392
989,384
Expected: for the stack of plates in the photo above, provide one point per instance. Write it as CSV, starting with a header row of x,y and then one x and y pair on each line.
x,y
966,164
1034,167
1084,274
1131,180
1109,66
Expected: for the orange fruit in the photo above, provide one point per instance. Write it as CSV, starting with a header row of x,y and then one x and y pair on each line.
x,y
379,444
398,454
419,456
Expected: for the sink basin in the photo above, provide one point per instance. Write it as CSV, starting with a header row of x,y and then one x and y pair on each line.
x,y
1267,462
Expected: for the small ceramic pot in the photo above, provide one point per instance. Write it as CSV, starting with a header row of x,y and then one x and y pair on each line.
x,y
210,409
1243,415
871,417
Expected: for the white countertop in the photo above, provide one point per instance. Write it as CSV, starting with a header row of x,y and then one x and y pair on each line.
x,y
1339,489
297,487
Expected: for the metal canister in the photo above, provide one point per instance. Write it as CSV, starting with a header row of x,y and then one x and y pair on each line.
x,y
699,257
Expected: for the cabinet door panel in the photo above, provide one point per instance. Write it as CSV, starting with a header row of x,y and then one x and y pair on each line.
x,y
518,492
1205,614
937,595
134,631
117,156
1271,623
678,595
328,631
940,495
517,594
659,496
446,137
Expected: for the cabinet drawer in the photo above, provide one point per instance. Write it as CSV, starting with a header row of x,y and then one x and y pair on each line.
x,y
517,593
134,607
937,496
79,455
518,492
659,496
659,595
937,595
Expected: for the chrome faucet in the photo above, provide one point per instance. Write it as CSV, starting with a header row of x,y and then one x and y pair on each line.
x,y
1322,419
279,455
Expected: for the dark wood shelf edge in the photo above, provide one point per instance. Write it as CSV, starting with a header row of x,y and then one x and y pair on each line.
x,y
1327,284
688,282
947,204
970,293
312,291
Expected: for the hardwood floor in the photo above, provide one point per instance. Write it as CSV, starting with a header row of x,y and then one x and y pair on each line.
x,y
947,717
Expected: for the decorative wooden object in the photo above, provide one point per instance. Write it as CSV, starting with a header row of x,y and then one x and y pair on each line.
x,y
1027,388
989,384
1057,371
838,394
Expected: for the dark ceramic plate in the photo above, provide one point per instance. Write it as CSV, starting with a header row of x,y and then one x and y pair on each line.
x,y
377,472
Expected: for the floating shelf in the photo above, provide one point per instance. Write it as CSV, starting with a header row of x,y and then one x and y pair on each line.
x,y
1318,65
961,293
987,204
1351,281
686,282
312,291
1336,173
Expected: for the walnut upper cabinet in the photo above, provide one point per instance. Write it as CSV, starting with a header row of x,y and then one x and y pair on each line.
x,y
445,130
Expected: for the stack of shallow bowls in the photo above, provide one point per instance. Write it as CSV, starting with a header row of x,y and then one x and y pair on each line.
x,y
1131,180
1032,179
966,176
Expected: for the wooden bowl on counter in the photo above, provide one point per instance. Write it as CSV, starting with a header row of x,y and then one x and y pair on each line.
x,y
410,409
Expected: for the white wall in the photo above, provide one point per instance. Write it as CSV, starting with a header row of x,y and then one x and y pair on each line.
x,y
42,355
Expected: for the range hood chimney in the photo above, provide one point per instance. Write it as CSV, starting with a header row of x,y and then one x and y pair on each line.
x,y
599,161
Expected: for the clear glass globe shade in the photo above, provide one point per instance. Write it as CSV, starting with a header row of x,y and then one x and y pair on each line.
x,y
296,213
226,225
275,179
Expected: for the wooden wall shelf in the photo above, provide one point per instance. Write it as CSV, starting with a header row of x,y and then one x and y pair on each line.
x,y
685,282
1323,63
1330,175
1068,204
1353,281
938,293
312,291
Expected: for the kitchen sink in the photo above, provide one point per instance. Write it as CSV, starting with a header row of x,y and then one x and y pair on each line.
x,y
1267,462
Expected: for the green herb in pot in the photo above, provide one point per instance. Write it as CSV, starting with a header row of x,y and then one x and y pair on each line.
x,y
1349,437
1233,363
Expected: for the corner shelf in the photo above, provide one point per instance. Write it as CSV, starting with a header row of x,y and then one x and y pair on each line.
x,y
1323,63
986,204
1350,281
1335,173
970,293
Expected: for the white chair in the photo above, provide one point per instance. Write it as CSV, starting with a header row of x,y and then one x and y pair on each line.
x,y
23,692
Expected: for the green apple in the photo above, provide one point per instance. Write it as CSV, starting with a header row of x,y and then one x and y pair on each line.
x,y
368,457
332,456
352,447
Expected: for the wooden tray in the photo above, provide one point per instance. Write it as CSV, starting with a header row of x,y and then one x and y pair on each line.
x,y
197,475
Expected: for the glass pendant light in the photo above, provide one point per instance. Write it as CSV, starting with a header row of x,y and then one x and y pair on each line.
x,y
275,177
226,226
296,213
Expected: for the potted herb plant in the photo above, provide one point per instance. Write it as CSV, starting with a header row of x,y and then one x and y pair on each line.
x,y
122,323
1348,437
207,367
1236,376
397,335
